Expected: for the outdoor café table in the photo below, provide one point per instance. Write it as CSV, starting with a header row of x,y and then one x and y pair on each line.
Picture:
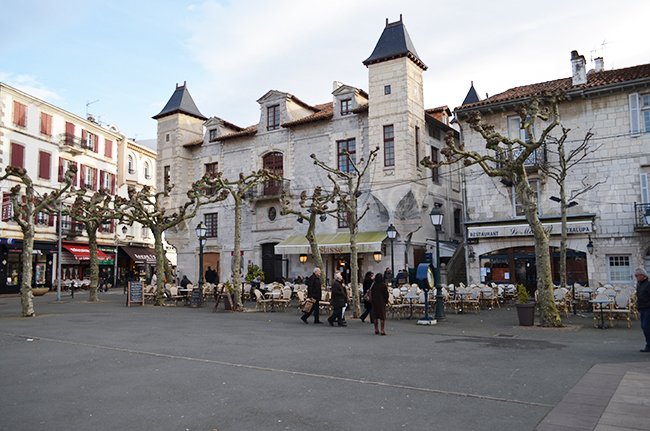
x,y
410,297
461,295
601,303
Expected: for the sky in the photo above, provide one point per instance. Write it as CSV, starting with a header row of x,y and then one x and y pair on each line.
x,y
121,60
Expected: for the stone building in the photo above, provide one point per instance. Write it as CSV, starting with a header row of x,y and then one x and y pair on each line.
x,y
398,190
608,235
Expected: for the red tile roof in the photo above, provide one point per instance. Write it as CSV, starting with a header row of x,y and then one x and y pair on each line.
x,y
595,81
248,131
324,111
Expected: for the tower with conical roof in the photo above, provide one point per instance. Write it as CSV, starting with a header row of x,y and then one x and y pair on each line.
x,y
180,124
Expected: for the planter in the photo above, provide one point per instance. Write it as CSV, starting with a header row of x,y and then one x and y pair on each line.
x,y
39,291
526,314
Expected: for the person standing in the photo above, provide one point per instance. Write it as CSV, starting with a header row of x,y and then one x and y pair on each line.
x,y
643,304
379,299
367,305
388,276
314,292
338,301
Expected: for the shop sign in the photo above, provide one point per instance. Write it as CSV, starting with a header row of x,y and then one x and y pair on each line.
x,y
575,227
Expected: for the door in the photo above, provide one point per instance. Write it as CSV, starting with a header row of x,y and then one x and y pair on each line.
x,y
273,163
271,263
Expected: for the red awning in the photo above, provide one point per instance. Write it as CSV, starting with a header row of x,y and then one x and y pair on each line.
x,y
82,252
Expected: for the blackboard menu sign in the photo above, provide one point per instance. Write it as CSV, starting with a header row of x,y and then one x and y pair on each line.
x,y
135,293
196,297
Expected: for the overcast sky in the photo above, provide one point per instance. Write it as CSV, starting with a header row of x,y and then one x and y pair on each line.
x,y
120,60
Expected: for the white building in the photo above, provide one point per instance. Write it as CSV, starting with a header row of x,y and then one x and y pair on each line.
x,y
608,235
399,191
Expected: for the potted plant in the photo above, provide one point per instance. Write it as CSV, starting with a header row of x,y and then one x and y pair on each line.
x,y
525,307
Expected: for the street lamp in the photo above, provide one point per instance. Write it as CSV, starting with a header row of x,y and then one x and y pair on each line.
x,y
437,216
391,232
590,246
302,258
201,231
377,256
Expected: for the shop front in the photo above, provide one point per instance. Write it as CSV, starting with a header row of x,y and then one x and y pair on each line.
x,y
11,264
75,261
136,263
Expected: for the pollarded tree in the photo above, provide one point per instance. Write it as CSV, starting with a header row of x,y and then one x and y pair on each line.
x,y
505,158
147,207
26,207
312,208
347,200
239,190
93,211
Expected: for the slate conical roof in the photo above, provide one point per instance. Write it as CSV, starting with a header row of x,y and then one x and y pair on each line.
x,y
180,102
472,96
394,42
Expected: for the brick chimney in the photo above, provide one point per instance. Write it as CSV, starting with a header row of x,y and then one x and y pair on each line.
x,y
578,67
599,64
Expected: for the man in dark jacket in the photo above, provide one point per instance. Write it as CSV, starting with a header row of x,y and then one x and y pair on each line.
x,y
338,301
643,304
313,291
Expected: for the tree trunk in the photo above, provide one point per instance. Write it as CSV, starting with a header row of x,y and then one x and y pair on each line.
x,y
563,239
160,266
91,230
26,295
236,272
354,261
315,252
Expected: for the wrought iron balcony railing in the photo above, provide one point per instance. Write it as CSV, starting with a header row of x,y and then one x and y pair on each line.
x,y
270,190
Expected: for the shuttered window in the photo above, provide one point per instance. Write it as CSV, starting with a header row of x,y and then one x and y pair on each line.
x,y
69,133
44,165
635,123
46,124
108,148
17,155
20,114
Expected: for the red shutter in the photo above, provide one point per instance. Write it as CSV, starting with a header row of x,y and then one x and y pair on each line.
x,y
93,172
84,138
20,114
44,165
112,185
69,133
50,219
17,155
96,144
61,172
76,175
101,180
46,124
108,148
82,176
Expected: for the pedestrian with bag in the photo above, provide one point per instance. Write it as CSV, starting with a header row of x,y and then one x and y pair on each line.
x,y
338,300
367,305
379,299
314,293
643,304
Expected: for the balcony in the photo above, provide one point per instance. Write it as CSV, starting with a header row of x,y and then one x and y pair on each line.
x,y
642,217
269,190
71,229
536,160
74,145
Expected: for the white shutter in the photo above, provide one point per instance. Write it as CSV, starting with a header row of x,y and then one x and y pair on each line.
x,y
635,126
645,193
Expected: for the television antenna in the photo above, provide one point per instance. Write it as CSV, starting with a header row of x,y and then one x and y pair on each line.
x,y
88,104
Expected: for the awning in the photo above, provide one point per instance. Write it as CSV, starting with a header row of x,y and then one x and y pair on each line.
x,y
141,255
332,243
82,252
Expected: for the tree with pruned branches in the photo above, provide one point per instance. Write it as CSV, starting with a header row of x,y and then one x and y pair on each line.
x,y
147,207
26,207
313,207
347,200
505,158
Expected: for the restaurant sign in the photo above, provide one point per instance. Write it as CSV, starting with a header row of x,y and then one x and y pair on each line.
x,y
573,227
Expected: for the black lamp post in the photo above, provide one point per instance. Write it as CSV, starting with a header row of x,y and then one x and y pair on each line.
x,y
437,216
201,231
391,232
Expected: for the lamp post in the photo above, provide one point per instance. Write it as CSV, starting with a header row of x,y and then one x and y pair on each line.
x,y
59,253
391,232
201,231
437,216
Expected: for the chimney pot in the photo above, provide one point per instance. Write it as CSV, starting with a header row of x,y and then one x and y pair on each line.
x,y
599,64
578,68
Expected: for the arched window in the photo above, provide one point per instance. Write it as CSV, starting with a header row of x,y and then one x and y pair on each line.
x,y
147,170
273,162
131,165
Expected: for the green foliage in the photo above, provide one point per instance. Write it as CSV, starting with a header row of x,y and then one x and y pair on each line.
x,y
253,272
522,294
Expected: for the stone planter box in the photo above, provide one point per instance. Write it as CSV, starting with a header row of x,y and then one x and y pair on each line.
x,y
39,291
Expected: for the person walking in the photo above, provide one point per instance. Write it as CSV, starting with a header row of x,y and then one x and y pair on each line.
x,y
367,305
338,301
314,292
379,299
643,304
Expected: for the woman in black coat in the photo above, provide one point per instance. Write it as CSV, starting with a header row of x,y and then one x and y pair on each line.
x,y
338,301
367,284
379,300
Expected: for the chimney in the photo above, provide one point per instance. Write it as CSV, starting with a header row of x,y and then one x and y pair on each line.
x,y
578,67
336,85
599,64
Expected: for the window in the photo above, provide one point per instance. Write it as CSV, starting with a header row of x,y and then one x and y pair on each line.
x,y
515,130
131,165
346,153
389,146
7,207
273,117
20,114
211,169
273,162
645,191
144,231
211,223
166,175
89,140
107,181
434,132
63,168
386,89
88,177
343,218
346,106
17,155
619,269
44,165
645,112
107,226
46,124
42,218
212,134
166,137
435,171
108,148
417,147
518,207
458,221
147,170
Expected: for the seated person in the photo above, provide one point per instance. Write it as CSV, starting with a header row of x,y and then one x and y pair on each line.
x,y
184,283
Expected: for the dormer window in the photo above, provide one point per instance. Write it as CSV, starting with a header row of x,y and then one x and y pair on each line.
x,y
273,117
346,106
212,135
